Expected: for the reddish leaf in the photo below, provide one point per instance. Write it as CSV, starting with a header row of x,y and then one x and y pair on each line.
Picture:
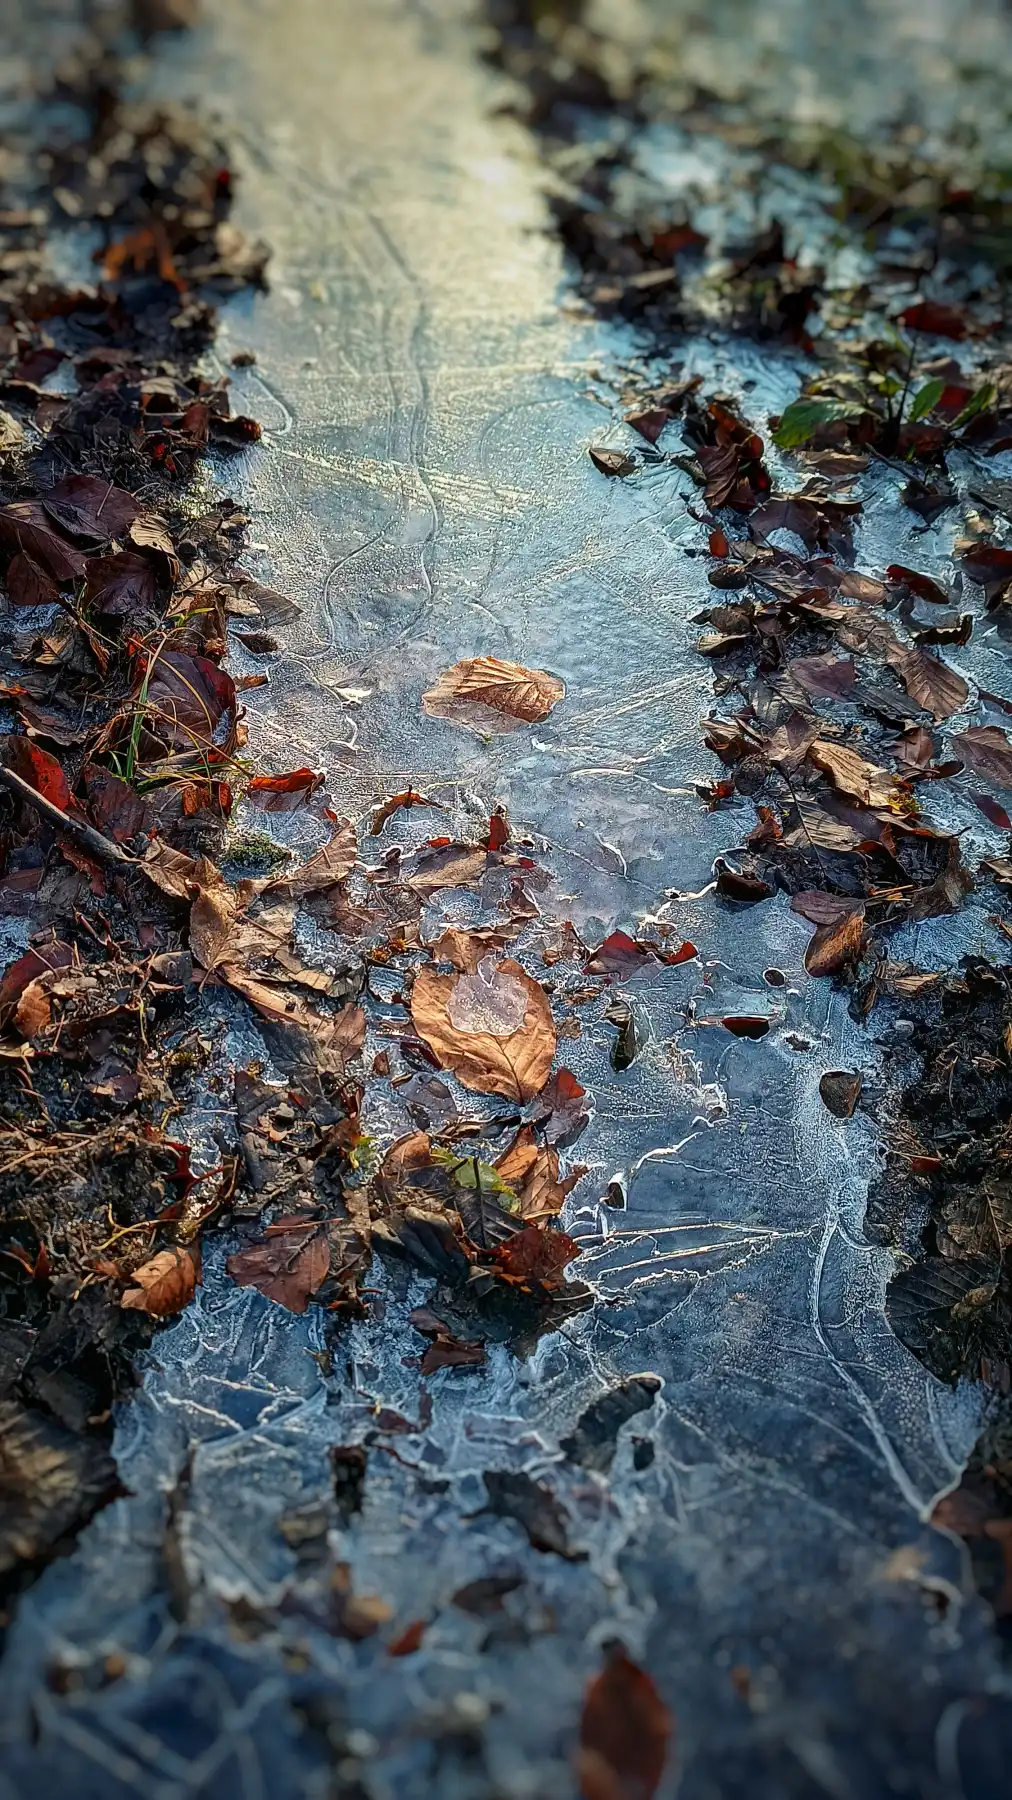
x,y
188,697
26,969
986,750
745,1025
625,1733
39,769
284,793
498,831
840,1091
985,563
120,585
164,1285
409,1640
821,908
116,807
921,585
622,956
992,811
832,677
535,1254
935,317
86,506
561,1111
25,527
649,423
386,811
28,585
287,1266
718,543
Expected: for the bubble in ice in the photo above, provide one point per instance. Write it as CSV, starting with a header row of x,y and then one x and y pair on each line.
x,y
489,1000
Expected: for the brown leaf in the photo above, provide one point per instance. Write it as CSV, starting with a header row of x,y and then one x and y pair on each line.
x,y
409,1640
25,528
29,585
561,1112
650,422
840,1092
931,682
987,750
832,677
625,1733
611,462
862,781
533,1174
915,749
86,506
34,1009
995,814
117,809
395,803
493,695
985,563
535,1254
323,870
171,870
287,1266
165,1284
188,697
492,1029
284,793
213,915
621,955
121,586
835,944
921,585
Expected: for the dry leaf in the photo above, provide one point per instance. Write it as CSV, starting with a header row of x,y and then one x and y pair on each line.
x,y
492,1029
493,695
625,1732
165,1284
284,793
860,780
840,1092
987,750
835,944
213,915
287,1266
931,682
324,869
533,1174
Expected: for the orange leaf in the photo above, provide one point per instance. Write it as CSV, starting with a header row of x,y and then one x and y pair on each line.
x,y
164,1285
625,1732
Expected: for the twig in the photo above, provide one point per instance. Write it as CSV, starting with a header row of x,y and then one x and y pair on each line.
x,y
92,840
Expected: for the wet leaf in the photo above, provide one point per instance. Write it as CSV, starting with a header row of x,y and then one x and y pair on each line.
x,y
395,803
987,751
985,563
649,423
284,793
164,1285
840,1092
288,1264
744,1025
121,586
561,1112
625,1733
492,1029
410,1639
622,956
537,1255
446,1351
532,1172
742,886
499,695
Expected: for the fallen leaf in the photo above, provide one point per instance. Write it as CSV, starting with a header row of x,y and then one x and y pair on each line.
x,y
34,1009
840,1092
532,1171
611,462
650,422
446,1351
934,317
187,699
38,768
994,813
492,1029
985,563
164,1285
987,751
931,682
170,870
29,585
118,810
625,1733
287,1265
921,585
515,1495
121,586
213,915
744,1025
561,1112
504,693
284,793
387,808
26,528
409,1640
536,1255
831,677
86,506
622,956
835,944
323,870
860,780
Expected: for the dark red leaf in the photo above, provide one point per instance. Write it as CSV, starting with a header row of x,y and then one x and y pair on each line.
x,y
534,1254
935,317
992,811
28,585
25,527
188,697
116,807
746,1026
985,563
986,750
921,585
650,422
88,507
120,585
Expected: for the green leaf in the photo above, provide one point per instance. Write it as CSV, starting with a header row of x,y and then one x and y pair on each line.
x,y
468,1172
926,399
977,403
802,417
